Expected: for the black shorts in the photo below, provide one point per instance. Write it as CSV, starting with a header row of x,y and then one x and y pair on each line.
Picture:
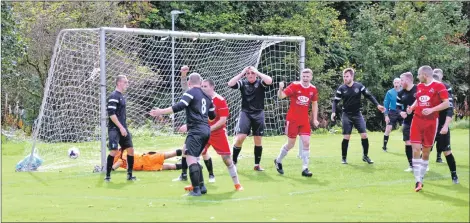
x,y
353,120
406,132
196,140
115,139
394,117
442,141
251,122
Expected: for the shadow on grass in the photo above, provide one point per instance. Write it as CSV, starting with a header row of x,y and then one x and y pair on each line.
x,y
261,176
39,179
308,180
367,168
448,199
450,186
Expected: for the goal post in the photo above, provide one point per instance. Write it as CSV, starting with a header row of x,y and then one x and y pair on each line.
x,y
86,61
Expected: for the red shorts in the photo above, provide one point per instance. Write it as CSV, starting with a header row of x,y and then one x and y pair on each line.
x,y
423,131
218,141
295,128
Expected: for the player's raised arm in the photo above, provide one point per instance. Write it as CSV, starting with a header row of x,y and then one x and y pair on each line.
x,y
266,80
236,82
184,79
280,92
371,98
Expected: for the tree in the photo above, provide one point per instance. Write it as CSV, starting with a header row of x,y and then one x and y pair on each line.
x,y
390,39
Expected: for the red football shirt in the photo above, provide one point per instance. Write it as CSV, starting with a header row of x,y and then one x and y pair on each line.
x,y
300,99
428,96
221,110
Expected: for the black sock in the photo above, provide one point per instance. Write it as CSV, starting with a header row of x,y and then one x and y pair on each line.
x,y
451,163
365,146
109,165
236,151
344,148
178,166
438,151
194,174
409,154
385,141
209,166
130,164
258,151
201,177
184,166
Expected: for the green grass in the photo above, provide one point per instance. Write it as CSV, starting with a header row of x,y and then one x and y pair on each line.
x,y
354,192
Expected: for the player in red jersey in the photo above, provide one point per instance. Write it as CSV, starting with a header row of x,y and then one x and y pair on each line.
x,y
301,95
431,97
218,138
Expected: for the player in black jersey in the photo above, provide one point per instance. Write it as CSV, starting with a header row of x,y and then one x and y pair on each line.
x,y
199,109
405,98
251,117
443,132
118,133
350,92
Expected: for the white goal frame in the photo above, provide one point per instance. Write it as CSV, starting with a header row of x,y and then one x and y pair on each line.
x,y
103,31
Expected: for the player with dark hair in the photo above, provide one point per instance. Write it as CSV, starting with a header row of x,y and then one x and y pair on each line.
x,y
118,133
350,92
443,131
199,109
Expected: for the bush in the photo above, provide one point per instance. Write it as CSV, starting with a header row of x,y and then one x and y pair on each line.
x,y
462,124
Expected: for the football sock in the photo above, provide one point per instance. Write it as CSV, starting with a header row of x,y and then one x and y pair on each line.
x,y
109,165
209,166
282,154
365,146
236,152
409,154
258,152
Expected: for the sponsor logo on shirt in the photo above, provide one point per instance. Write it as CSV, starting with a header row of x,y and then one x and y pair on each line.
x,y
302,100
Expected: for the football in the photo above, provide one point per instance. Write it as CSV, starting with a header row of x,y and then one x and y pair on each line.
x,y
74,153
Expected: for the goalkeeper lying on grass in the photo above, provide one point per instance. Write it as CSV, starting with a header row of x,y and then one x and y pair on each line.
x,y
150,161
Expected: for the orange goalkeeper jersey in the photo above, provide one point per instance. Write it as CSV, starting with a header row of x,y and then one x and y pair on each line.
x,y
146,162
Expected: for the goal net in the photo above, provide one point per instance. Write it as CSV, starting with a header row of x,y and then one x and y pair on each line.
x,y
71,113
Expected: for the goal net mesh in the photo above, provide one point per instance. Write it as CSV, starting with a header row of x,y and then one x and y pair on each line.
x,y
70,113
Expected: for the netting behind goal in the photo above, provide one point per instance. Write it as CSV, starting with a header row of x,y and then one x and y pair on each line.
x,y
70,113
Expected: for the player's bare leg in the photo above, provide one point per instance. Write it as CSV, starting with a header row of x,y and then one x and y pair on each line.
x,y
232,170
208,162
258,151
305,139
237,147
344,148
284,150
365,148
416,161
109,164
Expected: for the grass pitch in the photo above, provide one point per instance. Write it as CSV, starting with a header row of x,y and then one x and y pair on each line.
x,y
336,192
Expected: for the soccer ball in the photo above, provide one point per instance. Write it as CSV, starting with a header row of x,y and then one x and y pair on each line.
x,y
74,153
